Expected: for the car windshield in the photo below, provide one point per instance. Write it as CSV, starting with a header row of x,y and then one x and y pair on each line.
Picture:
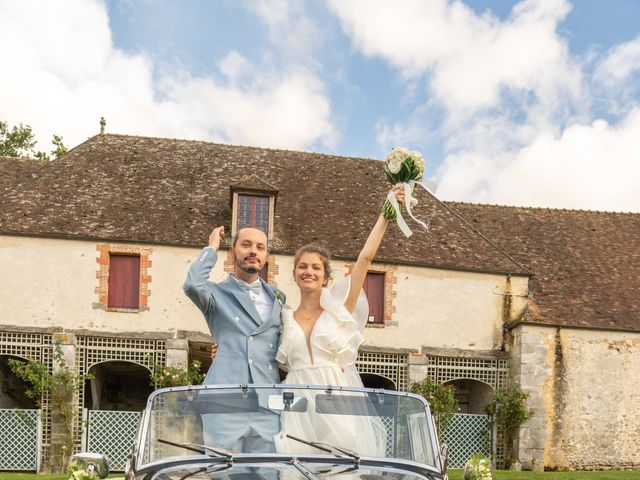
x,y
223,422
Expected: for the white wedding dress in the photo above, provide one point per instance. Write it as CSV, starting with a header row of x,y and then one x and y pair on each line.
x,y
335,339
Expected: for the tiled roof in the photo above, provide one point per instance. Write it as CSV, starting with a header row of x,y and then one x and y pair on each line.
x,y
157,190
585,264
14,171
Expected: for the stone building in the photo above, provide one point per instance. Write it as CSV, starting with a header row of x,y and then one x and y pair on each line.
x,y
94,248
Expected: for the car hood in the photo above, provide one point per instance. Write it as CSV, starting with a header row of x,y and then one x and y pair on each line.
x,y
246,468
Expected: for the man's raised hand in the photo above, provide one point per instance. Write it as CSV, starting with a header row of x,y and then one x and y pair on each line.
x,y
214,238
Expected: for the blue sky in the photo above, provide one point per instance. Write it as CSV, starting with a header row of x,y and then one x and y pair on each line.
x,y
531,103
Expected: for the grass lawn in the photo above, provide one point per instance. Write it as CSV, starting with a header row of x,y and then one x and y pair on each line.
x,y
33,476
454,474
30,476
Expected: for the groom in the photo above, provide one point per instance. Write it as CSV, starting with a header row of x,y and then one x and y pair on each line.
x,y
243,314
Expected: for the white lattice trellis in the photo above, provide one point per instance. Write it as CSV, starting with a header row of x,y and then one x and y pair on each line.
x,y
38,347
89,351
24,345
467,434
393,366
19,439
390,427
112,434
492,371
93,350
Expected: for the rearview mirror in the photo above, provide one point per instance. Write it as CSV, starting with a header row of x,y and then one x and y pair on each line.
x,y
287,402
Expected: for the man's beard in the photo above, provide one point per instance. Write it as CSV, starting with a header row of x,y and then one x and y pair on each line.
x,y
247,267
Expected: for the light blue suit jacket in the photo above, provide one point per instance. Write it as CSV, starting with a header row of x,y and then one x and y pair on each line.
x,y
247,346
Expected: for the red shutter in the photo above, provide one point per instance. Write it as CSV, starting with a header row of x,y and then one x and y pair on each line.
x,y
374,289
124,281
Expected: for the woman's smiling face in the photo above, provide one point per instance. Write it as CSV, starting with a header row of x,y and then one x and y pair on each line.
x,y
309,272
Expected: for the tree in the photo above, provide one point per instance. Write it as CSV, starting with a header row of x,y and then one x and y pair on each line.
x,y
442,401
61,384
508,411
19,141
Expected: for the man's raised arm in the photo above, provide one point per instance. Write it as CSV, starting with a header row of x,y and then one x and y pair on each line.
x,y
195,286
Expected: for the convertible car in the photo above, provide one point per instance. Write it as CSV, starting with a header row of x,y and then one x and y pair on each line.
x,y
173,441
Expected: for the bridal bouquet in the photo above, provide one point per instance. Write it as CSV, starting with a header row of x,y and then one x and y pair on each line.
x,y
406,167
401,166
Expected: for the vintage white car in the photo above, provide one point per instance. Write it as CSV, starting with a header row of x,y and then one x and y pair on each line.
x,y
172,443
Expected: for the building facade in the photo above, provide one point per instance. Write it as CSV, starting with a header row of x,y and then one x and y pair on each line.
x,y
95,246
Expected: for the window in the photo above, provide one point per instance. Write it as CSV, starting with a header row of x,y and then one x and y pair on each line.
x,y
124,281
374,289
253,210
124,278
379,287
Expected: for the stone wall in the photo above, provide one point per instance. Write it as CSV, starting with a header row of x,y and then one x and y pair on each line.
x,y
585,390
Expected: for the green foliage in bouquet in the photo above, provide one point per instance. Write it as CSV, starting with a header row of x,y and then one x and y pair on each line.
x,y
401,166
176,375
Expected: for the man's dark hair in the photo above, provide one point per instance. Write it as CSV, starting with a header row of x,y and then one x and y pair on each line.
x,y
235,237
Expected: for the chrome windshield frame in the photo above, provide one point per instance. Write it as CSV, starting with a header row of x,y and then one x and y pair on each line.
x,y
401,463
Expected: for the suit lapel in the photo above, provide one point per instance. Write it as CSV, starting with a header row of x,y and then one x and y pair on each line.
x,y
275,309
243,299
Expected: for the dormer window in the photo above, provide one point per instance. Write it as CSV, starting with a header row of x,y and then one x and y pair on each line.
x,y
253,210
253,203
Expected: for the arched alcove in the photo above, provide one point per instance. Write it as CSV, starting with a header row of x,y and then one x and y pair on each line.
x,y
12,388
472,395
372,380
117,385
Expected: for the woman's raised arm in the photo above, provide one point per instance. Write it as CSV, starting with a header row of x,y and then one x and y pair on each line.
x,y
367,254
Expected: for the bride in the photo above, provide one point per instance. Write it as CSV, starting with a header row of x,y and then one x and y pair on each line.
x,y
319,345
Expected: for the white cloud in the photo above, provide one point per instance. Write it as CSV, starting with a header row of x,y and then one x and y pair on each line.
x,y
616,78
619,64
469,59
63,73
290,114
593,166
235,66
295,34
514,107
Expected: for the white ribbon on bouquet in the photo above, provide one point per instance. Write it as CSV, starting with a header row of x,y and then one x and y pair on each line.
x,y
428,185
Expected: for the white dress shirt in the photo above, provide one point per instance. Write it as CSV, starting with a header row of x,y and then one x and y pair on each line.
x,y
262,301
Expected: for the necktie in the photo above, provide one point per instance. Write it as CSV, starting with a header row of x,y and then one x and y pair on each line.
x,y
255,287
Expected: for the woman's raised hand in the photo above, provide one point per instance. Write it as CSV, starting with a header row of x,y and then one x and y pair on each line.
x,y
398,191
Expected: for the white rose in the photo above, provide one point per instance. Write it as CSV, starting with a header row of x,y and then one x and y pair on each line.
x,y
419,163
414,202
394,165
